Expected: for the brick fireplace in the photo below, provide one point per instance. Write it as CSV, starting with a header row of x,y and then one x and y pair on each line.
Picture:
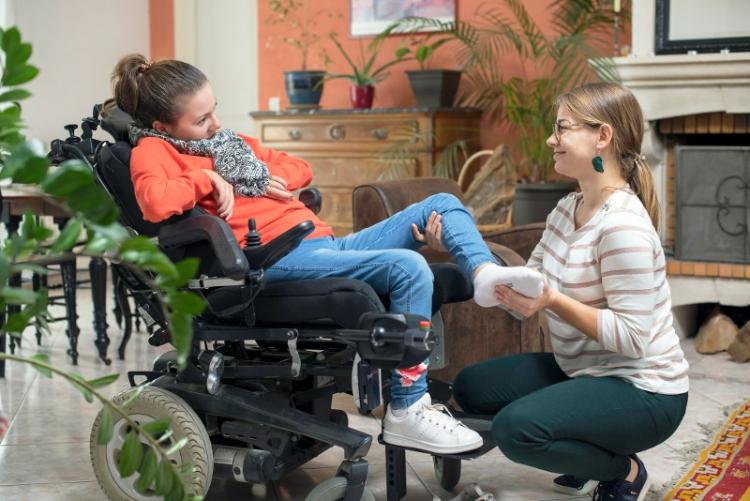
x,y
691,100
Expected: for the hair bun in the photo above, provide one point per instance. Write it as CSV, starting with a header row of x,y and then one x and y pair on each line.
x,y
143,67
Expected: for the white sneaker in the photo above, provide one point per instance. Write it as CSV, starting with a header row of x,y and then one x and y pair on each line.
x,y
430,428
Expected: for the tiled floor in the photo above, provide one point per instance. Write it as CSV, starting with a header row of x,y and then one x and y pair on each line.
x,y
45,455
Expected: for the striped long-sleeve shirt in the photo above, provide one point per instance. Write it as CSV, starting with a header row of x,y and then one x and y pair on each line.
x,y
614,263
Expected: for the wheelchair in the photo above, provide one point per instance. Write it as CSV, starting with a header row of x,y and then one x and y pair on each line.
x,y
254,401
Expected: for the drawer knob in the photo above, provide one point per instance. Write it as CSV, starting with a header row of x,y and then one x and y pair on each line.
x,y
379,133
295,134
338,132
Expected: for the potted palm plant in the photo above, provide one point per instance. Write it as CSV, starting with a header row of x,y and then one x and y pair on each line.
x,y
550,65
304,87
365,73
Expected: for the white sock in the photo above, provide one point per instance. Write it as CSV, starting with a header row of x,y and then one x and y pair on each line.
x,y
521,279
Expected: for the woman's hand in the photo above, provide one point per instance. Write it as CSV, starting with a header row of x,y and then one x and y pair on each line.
x,y
223,194
277,188
432,235
523,305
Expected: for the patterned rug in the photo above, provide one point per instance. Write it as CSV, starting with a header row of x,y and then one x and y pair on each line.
x,y
722,471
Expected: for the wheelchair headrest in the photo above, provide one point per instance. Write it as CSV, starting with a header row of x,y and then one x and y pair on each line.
x,y
116,122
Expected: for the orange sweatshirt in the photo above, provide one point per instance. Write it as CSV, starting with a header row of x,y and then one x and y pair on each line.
x,y
168,183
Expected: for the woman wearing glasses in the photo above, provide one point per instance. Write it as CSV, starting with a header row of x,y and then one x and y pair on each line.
x,y
616,383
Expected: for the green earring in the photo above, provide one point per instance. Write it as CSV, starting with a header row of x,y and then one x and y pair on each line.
x,y
598,163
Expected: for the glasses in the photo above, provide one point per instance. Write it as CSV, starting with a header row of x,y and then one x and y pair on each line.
x,y
561,126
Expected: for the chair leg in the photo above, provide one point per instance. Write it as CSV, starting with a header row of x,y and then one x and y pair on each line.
x,y
36,283
116,309
14,281
69,290
121,295
98,272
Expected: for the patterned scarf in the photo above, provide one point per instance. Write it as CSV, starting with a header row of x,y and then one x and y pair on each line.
x,y
233,158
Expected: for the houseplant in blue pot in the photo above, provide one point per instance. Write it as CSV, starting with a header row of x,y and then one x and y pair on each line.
x,y
304,87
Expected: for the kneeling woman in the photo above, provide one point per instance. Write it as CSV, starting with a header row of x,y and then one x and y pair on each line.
x,y
616,383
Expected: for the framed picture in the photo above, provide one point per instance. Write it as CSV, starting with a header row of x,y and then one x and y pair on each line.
x,y
370,17
696,25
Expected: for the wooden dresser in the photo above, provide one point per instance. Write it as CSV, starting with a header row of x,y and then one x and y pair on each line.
x,y
344,146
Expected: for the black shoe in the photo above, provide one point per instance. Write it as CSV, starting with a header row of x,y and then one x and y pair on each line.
x,y
622,490
568,484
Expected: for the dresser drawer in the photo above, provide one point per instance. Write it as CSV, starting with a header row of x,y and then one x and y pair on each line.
x,y
352,171
372,132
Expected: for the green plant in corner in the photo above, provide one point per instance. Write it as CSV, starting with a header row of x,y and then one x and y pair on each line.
x,y
72,185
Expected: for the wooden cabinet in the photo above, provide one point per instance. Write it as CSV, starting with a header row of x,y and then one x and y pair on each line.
x,y
344,146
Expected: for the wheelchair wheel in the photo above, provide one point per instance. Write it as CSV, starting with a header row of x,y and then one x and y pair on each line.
x,y
447,471
151,404
333,489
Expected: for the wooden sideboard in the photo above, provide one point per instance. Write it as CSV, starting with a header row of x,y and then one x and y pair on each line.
x,y
344,146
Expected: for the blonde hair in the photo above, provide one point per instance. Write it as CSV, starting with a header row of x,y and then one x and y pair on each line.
x,y
610,103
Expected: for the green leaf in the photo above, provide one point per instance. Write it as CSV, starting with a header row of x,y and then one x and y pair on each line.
x,y
5,270
77,383
33,171
164,478
68,236
177,493
176,446
422,53
11,39
131,455
186,269
134,393
67,178
186,302
16,295
103,381
44,358
182,335
19,75
14,95
104,433
18,55
16,323
94,204
156,427
147,472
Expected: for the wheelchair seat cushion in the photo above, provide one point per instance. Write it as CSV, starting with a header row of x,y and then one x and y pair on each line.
x,y
339,301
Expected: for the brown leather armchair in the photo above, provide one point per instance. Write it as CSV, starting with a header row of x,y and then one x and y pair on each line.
x,y
472,333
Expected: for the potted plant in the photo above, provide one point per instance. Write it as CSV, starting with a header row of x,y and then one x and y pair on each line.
x,y
364,72
432,88
304,87
550,65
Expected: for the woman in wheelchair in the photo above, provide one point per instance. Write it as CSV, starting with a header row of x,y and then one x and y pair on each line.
x,y
183,158
616,383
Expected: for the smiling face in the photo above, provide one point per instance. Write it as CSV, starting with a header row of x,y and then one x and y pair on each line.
x,y
574,144
198,119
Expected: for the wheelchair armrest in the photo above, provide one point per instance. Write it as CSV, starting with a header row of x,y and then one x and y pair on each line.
x,y
263,256
211,229
312,199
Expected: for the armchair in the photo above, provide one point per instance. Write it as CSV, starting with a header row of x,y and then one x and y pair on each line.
x,y
471,333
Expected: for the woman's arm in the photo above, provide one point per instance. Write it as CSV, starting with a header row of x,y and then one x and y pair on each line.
x,y
626,257
295,171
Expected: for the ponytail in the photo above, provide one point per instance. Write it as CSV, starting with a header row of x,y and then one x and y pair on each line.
x,y
642,183
151,92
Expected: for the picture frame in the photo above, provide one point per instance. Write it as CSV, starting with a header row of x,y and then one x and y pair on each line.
x,y
677,35
370,17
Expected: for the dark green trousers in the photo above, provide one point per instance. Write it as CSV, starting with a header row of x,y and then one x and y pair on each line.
x,y
584,426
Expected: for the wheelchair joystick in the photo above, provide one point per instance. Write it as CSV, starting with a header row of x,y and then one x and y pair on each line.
x,y
252,237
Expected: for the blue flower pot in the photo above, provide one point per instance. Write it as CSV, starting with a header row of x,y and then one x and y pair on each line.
x,y
304,88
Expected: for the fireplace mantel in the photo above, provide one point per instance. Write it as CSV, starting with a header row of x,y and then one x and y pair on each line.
x,y
677,85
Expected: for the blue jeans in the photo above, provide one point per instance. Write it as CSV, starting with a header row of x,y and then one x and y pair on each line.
x,y
384,256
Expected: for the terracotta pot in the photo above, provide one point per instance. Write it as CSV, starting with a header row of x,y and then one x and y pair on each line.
x,y
362,96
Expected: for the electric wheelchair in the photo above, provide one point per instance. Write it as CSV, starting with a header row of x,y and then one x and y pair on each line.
x,y
254,401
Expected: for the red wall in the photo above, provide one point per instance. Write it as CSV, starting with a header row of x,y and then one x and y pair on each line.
x,y
276,57
161,28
